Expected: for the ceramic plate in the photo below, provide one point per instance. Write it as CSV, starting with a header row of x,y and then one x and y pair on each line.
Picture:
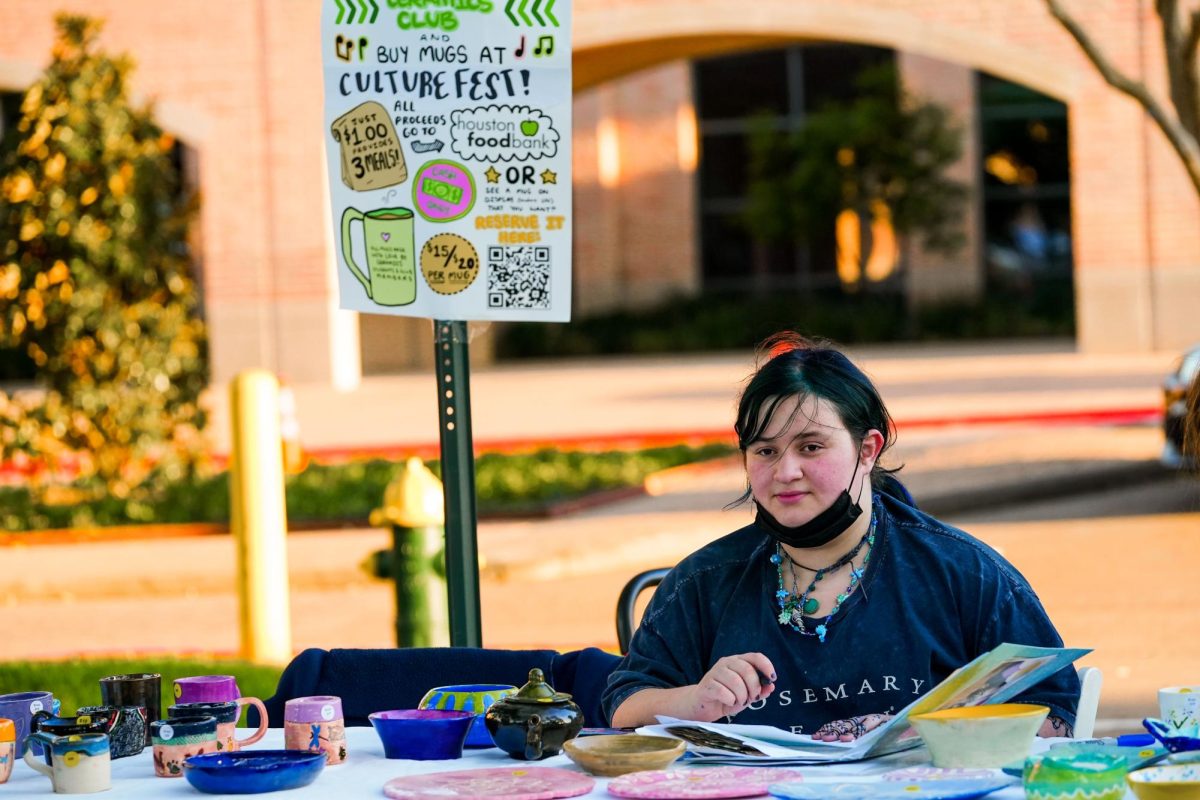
x,y
514,783
913,774
699,782
960,789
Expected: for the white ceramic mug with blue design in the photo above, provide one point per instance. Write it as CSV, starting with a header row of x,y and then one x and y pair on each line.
x,y
82,763
477,697
1179,708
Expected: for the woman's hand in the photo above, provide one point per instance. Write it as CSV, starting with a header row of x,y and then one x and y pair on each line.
x,y
733,683
847,730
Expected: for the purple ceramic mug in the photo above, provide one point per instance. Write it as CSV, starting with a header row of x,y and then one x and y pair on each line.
x,y
206,689
24,709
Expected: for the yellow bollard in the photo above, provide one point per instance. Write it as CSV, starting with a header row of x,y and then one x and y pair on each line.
x,y
258,516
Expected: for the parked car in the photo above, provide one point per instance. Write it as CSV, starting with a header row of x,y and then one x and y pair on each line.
x,y
1175,389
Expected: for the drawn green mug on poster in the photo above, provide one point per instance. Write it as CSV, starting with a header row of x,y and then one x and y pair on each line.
x,y
391,274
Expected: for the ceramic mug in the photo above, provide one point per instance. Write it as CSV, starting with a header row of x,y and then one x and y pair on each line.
x,y
227,715
8,748
206,689
1179,706
177,739
315,724
81,763
23,708
135,689
477,697
126,727
63,726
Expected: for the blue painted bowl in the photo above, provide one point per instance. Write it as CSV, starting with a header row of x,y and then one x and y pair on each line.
x,y
473,697
422,734
252,771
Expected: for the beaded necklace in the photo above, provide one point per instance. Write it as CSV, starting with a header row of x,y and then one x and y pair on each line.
x,y
793,605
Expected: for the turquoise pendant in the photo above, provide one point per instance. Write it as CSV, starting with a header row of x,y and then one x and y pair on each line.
x,y
811,605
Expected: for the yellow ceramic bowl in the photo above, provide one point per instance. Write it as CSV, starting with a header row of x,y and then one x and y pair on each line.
x,y
1167,782
613,755
980,736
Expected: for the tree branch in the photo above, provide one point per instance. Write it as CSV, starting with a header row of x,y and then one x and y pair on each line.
x,y
1185,145
1180,78
1191,42
1193,37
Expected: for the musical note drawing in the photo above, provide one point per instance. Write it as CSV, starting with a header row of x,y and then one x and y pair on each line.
x,y
545,46
344,47
520,51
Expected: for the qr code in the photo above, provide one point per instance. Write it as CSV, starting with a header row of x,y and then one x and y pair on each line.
x,y
519,277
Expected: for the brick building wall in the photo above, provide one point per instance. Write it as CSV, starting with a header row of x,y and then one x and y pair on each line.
x,y
240,83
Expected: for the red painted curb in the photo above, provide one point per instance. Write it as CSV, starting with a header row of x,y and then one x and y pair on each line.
x,y
638,441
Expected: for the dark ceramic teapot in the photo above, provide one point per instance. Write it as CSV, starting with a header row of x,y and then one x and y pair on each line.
x,y
533,723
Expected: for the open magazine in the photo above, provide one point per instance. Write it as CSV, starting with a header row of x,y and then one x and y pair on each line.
x,y
994,677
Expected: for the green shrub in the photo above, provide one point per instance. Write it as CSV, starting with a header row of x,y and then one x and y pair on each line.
x,y
338,493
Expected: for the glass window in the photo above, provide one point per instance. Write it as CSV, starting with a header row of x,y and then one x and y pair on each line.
x,y
831,71
724,166
731,92
742,85
1026,186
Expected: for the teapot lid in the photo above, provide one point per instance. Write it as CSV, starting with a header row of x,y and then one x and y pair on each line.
x,y
537,691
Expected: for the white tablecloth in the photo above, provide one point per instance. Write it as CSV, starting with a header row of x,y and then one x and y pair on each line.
x,y
366,770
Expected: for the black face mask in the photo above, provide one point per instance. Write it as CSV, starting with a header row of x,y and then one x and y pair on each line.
x,y
821,529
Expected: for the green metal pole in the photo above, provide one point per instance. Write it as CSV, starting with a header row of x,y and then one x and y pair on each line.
x,y
458,481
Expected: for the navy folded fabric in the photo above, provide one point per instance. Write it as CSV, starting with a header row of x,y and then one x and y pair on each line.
x,y
380,679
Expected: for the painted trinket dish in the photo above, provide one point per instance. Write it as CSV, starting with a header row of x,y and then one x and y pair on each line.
x,y
252,771
610,756
1177,739
535,722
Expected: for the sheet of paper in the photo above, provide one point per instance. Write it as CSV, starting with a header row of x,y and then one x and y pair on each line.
x,y
448,140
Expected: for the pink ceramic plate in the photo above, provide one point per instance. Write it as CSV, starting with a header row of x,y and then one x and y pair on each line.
x,y
514,783
714,782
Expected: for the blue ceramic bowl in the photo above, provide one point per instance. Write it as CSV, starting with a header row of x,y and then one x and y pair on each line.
x,y
252,771
422,734
475,697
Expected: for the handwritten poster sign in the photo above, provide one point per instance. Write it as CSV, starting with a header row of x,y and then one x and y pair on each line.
x,y
448,133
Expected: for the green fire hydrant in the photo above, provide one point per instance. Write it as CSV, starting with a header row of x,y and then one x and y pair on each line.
x,y
413,507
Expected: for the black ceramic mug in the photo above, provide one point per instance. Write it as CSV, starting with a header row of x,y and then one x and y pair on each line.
x,y
126,727
137,689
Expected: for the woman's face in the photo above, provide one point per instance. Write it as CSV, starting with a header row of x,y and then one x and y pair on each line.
x,y
804,460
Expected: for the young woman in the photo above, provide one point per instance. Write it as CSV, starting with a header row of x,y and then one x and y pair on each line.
x,y
841,603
